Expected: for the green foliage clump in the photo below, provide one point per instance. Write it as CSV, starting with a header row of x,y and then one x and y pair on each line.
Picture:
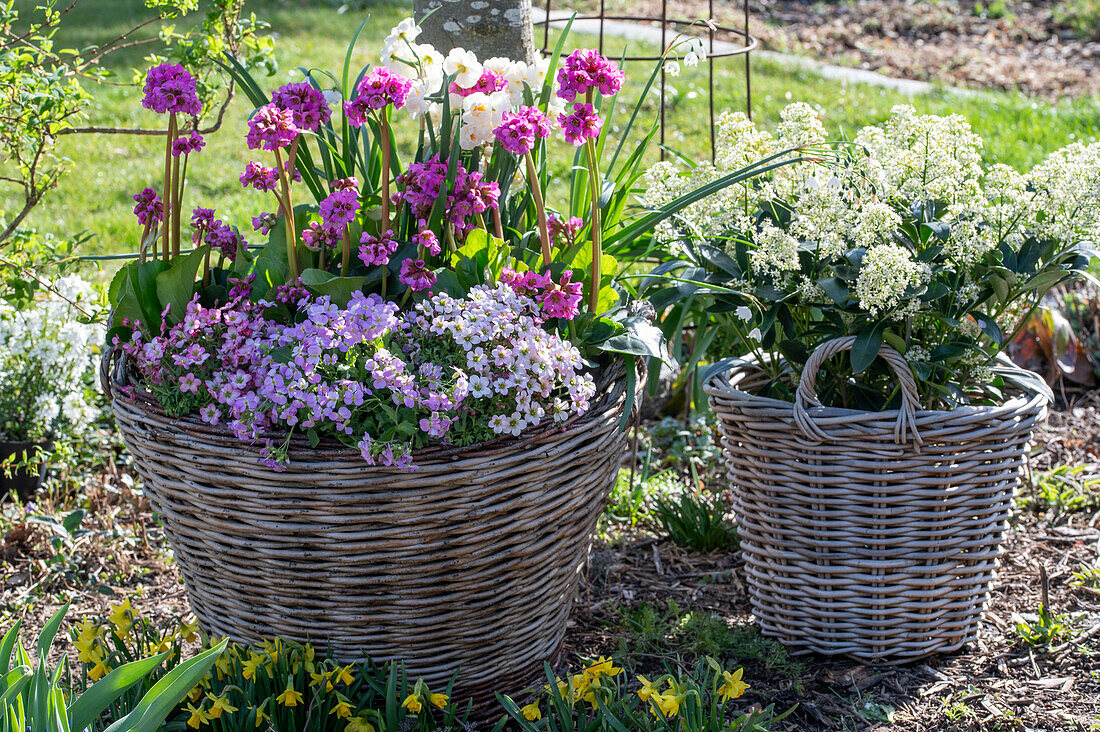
x,y
697,520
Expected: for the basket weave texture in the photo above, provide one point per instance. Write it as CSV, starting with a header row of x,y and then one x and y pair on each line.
x,y
470,561
874,535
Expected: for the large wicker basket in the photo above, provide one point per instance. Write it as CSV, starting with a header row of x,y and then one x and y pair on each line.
x,y
869,534
469,562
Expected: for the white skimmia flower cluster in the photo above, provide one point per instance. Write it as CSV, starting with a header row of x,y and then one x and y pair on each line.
x,y
904,235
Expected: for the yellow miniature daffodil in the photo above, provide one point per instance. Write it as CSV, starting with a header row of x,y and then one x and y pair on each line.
x,y
248,668
308,654
196,693
359,724
98,671
562,687
291,697
198,717
581,682
648,689
272,650
219,704
261,715
439,700
122,618
603,667
223,665
343,708
668,703
732,686
344,674
87,640
412,703
531,712
188,631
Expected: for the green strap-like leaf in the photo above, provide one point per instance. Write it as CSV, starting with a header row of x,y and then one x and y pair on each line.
x,y
89,705
7,645
166,694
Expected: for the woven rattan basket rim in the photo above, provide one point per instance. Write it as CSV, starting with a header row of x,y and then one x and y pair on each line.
x,y
116,375
720,385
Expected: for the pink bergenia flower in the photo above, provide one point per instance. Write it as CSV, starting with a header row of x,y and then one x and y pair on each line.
x,y
379,88
271,128
339,207
582,125
376,250
520,129
343,184
202,220
427,239
307,104
170,88
560,300
224,238
586,69
149,209
527,283
260,177
563,232
317,237
416,275
264,222
187,145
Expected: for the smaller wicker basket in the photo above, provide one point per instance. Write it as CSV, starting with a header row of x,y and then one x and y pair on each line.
x,y
874,535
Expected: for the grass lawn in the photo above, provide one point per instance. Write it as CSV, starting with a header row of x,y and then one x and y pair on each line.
x,y
95,196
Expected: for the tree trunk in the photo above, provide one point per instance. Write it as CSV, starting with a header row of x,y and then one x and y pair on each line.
x,y
489,28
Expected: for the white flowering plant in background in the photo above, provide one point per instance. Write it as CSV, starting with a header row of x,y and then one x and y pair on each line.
x,y
49,348
902,235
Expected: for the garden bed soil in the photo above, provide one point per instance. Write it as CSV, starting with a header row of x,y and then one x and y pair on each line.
x,y
994,44
1000,682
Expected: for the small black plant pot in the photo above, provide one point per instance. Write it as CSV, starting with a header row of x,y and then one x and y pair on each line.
x,y
24,481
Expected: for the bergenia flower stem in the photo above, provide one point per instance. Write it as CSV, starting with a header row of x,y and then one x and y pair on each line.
x,y
597,228
540,209
288,215
498,226
176,206
384,126
345,260
166,199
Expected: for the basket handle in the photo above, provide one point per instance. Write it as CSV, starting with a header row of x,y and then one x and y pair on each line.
x,y
806,394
